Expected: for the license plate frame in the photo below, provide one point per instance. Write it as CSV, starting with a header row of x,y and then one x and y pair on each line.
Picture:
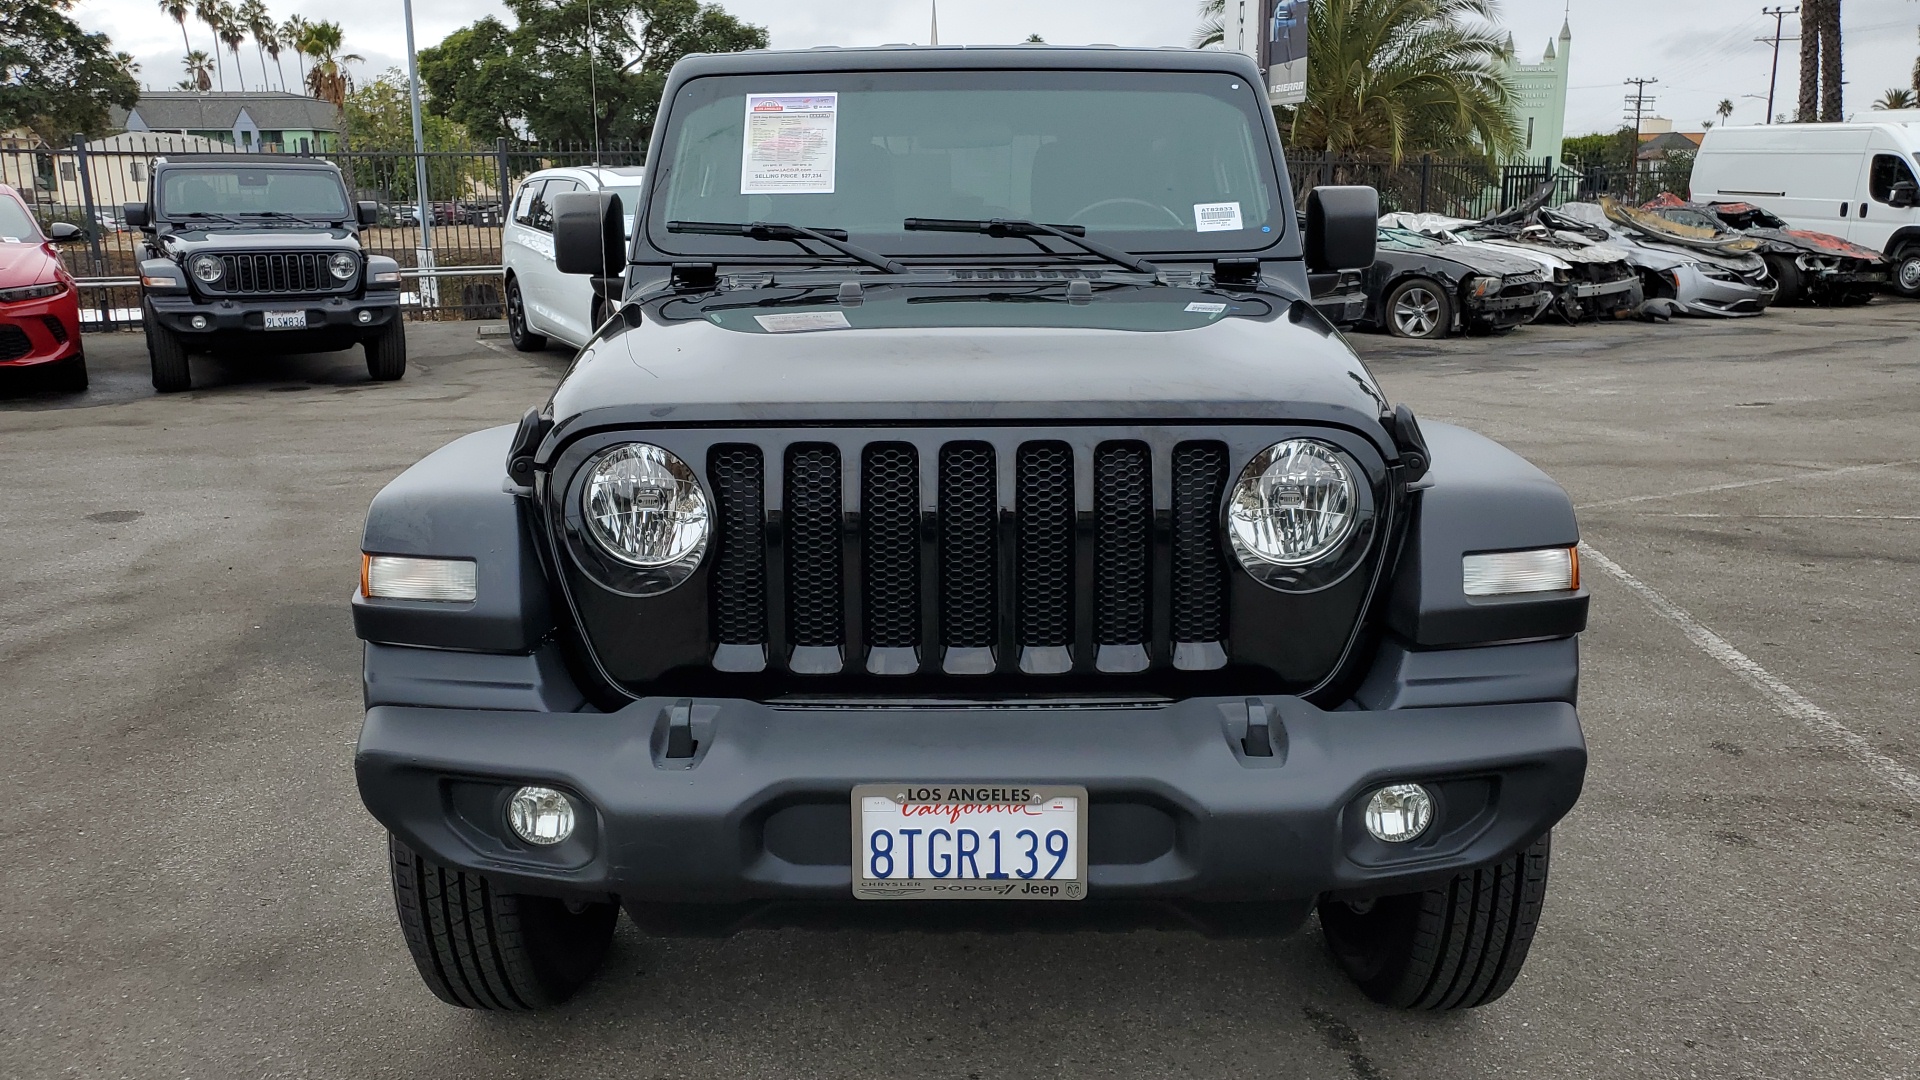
x,y
284,320
993,811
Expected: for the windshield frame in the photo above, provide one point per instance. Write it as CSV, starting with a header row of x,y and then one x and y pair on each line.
x,y
36,236
161,212
686,96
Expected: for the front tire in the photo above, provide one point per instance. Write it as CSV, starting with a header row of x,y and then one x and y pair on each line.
x,y
523,338
1786,276
387,351
479,948
1459,946
1418,308
166,354
1905,278
70,375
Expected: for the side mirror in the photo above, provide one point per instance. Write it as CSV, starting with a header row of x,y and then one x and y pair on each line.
x,y
1342,226
589,233
135,215
1902,194
60,232
369,213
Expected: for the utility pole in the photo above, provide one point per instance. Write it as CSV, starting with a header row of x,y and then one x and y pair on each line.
x,y
1637,100
1779,16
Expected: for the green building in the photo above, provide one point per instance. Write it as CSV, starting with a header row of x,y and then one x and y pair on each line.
x,y
254,121
1540,92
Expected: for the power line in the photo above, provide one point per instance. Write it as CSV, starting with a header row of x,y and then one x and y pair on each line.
x,y
1779,17
1637,102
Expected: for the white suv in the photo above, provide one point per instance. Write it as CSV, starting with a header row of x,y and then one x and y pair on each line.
x,y
542,302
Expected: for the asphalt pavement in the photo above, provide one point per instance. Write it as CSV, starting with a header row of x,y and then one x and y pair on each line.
x,y
189,886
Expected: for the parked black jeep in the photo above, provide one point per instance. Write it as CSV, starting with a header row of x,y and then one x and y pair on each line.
x,y
967,519
251,254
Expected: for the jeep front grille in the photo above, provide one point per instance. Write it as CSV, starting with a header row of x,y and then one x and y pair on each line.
x,y
302,272
991,556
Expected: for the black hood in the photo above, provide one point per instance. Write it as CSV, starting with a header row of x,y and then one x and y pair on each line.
x,y
1015,352
263,239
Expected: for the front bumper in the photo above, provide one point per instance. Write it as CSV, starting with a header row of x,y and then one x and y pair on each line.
x,y
49,326
1178,810
1698,294
1507,310
329,317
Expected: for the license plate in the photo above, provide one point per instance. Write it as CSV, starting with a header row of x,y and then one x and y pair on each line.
x,y
286,320
969,842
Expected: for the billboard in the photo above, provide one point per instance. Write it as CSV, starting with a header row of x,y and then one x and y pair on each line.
x,y
1283,50
1274,33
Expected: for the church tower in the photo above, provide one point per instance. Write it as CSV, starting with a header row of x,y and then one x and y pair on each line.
x,y
1540,96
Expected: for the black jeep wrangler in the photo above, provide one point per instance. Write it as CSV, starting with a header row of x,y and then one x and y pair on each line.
x,y
967,520
251,254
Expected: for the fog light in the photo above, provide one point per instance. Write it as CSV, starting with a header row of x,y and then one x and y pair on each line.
x,y
1399,812
199,322
540,815
365,317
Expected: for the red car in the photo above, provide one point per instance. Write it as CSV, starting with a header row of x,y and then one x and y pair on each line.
x,y
39,305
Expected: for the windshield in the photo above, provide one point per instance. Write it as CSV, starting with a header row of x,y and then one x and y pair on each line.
x,y
1145,161
16,226
231,189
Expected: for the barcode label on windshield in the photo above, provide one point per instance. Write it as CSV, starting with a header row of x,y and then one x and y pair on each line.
x,y
1216,217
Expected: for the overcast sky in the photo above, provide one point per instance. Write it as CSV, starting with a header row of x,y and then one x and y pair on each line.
x,y
1700,50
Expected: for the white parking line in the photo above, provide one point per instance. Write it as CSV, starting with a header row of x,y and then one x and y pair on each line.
x,y
1785,517
1709,489
1783,697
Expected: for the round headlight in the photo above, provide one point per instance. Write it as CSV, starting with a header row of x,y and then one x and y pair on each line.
x,y
645,508
343,265
1295,504
206,268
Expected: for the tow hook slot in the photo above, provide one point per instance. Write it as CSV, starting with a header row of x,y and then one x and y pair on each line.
x,y
1257,731
682,734
680,742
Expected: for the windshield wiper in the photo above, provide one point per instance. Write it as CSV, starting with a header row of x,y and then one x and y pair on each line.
x,y
1072,234
284,216
777,230
206,215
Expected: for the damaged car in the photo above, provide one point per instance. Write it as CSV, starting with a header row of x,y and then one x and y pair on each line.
x,y
1694,280
1423,287
1814,267
1588,281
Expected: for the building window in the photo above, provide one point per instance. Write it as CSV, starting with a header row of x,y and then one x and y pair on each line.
x,y
136,171
1529,132
66,171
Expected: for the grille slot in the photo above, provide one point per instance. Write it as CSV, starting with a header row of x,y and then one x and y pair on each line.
x,y
739,576
1043,567
13,343
288,273
815,611
969,547
55,327
1123,538
1199,566
890,548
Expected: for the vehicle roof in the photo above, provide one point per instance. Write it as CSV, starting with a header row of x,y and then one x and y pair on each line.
x,y
276,160
602,173
946,57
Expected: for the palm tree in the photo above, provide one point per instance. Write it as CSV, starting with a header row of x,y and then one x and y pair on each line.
x,y
274,45
293,33
329,80
1724,109
1830,71
233,34
177,10
1389,78
1213,24
208,11
253,16
1897,98
199,70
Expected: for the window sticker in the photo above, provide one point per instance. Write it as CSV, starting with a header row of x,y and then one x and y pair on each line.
x,y
1206,309
789,147
1216,217
794,321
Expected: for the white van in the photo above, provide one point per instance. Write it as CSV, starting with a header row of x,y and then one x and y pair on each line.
x,y
1852,180
542,302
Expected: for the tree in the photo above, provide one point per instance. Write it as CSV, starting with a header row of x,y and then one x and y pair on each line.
x,y
208,12
1820,67
233,34
1898,97
294,33
253,16
199,70
55,78
556,76
379,114
1600,149
1392,78
178,10
1724,109
1213,25
328,79
1830,70
1034,39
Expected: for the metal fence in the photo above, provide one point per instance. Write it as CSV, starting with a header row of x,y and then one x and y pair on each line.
x,y
467,194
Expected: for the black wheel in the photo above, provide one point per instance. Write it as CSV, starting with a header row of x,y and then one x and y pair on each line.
x,y
1455,947
1786,276
166,354
70,375
523,339
387,351
1905,278
1418,308
483,949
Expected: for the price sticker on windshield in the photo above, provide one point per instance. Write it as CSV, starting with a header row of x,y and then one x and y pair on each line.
x,y
1216,217
789,146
